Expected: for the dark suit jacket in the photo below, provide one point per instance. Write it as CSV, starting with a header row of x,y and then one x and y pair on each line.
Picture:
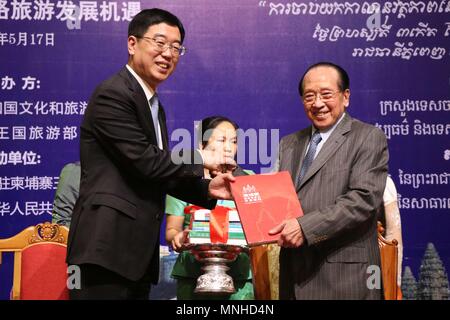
x,y
339,195
124,180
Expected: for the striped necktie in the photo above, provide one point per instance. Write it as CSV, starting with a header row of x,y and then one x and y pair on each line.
x,y
315,140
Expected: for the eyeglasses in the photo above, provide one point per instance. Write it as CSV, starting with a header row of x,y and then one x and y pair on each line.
x,y
161,46
325,96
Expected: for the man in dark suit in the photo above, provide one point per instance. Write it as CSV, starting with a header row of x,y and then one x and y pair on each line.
x,y
127,169
339,168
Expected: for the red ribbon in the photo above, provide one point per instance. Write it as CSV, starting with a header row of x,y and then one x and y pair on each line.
x,y
190,210
218,225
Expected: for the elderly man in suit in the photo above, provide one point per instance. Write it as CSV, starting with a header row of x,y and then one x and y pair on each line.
x,y
339,167
127,169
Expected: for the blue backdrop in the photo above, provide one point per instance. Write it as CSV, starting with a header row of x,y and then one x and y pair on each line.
x,y
244,61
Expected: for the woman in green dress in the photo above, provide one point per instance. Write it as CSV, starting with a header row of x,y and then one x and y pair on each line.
x,y
219,135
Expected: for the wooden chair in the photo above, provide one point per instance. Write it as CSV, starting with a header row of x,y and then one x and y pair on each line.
x,y
40,270
265,271
389,265
260,272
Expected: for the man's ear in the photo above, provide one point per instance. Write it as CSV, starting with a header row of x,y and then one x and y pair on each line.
x,y
132,42
346,97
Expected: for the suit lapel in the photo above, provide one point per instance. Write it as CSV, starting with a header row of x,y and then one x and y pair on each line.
x,y
333,143
142,106
298,154
162,124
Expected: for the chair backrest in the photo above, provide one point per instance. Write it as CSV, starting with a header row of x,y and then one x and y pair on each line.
x,y
260,272
389,263
265,271
40,270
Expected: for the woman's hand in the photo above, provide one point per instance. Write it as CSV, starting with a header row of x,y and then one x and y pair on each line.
x,y
179,239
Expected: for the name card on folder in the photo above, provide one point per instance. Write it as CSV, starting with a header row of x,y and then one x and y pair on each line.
x,y
264,201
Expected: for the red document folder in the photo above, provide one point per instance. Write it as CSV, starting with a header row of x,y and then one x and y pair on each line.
x,y
264,201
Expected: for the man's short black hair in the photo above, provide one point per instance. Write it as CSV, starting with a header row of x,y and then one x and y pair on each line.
x,y
344,80
148,17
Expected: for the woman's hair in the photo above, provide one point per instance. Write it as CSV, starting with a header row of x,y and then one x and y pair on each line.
x,y
209,124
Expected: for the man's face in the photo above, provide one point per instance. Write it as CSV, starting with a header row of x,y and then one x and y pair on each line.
x,y
150,63
323,101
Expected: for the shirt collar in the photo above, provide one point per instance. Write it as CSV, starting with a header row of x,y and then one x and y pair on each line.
x,y
327,133
148,92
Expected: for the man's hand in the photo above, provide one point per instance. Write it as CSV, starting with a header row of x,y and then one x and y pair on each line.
x,y
179,239
219,187
218,162
291,235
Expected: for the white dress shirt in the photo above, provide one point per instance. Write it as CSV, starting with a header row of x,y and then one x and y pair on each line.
x,y
148,95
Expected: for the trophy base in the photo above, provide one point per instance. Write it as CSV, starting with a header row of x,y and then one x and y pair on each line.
x,y
215,280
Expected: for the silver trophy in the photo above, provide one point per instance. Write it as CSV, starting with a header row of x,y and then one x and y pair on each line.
x,y
215,257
